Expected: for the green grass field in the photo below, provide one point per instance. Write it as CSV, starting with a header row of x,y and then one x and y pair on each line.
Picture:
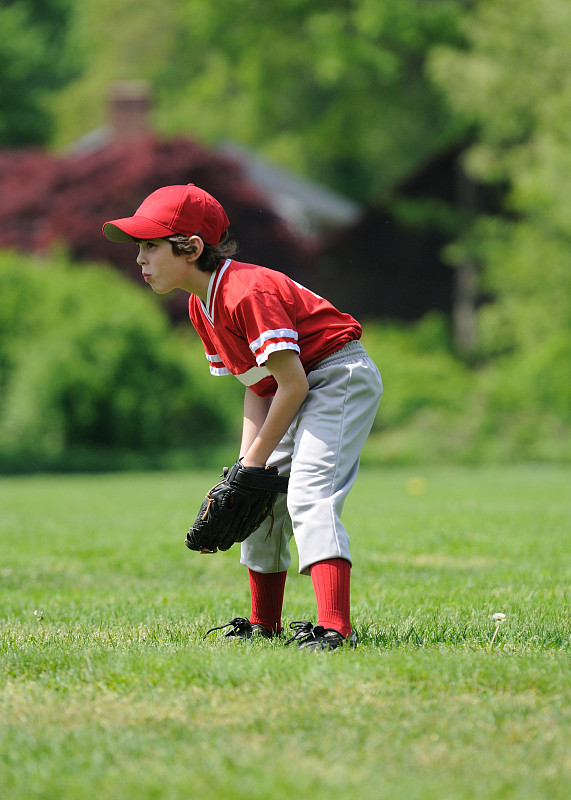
x,y
108,689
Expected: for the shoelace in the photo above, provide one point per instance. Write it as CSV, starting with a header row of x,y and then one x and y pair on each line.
x,y
237,624
304,631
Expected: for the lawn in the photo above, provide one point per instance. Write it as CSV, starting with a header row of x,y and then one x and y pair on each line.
x,y
108,688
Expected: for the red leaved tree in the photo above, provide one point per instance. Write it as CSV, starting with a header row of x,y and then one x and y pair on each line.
x,y
47,200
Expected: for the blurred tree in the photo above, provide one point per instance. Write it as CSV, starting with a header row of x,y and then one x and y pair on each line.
x,y
118,40
34,62
517,66
335,90
47,199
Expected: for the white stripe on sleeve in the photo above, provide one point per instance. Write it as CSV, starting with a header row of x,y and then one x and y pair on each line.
x,y
280,333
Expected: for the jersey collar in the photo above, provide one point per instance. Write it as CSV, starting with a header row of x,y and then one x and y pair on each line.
x,y
213,286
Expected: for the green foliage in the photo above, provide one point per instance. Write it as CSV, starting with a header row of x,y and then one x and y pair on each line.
x,y
357,94
526,273
34,61
516,64
519,103
333,90
90,364
435,409
91,374
418,370
117,40
424,415
519,100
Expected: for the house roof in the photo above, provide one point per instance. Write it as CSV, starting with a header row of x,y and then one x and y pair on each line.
x,y
307,206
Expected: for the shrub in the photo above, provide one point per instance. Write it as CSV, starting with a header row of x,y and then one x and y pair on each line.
x,y
419,372
89,362
516,407
93,375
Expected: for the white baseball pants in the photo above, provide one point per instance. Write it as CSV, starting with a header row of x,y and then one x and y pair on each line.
x,y
320,452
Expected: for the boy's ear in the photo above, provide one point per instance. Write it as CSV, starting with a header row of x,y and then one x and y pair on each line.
x,y
197,246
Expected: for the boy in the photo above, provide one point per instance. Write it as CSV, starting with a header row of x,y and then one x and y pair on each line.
x,y
310,399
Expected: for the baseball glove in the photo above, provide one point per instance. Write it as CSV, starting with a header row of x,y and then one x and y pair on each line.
x,y
234,508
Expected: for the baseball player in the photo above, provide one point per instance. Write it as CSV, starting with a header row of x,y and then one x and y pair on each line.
x,y
311,395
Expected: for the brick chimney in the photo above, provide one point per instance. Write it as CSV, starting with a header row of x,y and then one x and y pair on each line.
x,y
130,103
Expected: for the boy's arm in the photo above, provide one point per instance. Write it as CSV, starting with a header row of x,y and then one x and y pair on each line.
x,y
265,423
255,413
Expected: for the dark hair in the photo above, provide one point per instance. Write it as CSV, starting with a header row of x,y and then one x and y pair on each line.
x,y
212,255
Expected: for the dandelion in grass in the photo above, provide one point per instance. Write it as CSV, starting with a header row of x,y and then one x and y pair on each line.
x,y
416,486
498,618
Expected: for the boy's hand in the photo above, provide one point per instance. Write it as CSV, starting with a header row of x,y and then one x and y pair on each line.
x,y
234,508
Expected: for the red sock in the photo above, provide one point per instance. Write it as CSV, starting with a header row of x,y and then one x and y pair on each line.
x,y
267,590
331,584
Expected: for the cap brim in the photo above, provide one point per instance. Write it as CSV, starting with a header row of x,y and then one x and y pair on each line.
x,y
134,229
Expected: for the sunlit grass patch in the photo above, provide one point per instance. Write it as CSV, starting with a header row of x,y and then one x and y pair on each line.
x,y
108,686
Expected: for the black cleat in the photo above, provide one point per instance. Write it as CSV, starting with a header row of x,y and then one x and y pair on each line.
x,y
242,628
316,637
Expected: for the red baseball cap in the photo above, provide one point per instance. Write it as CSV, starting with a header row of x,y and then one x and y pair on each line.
x,y
182,209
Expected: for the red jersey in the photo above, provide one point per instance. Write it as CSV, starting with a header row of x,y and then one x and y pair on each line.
x,y
252,311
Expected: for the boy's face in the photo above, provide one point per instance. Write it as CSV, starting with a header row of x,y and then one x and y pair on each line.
x,y
162,269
